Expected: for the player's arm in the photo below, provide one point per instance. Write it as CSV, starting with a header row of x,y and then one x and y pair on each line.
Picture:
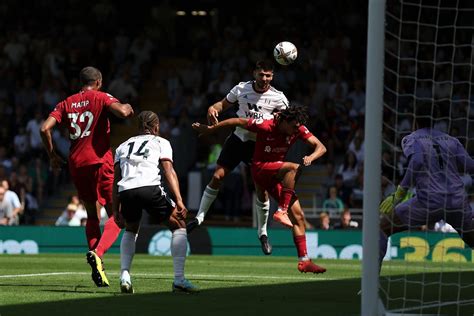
x,y
121,110
173,184
319,150
214,110
204,129
46,137
115,198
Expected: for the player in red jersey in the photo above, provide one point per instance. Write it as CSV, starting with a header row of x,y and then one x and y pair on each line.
x,y
90,160
272,173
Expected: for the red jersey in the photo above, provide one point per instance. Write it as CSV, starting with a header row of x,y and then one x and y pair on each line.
x,y
85,115
271,145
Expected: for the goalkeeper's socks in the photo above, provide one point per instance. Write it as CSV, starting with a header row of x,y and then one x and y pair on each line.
x,y
300,243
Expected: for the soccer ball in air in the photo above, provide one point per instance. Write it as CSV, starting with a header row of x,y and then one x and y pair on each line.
x,y
285,53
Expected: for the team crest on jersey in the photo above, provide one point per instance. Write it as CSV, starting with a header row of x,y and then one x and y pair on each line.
x,y
258,121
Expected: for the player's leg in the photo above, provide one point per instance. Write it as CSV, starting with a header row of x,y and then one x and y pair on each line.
x,y
287,175
127,252
179,248
299,238
262,210
209,196
233,152
105,181
83,177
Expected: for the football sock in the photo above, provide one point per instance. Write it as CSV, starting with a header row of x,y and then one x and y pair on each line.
x,y
208,197
179,247
285,198
111,232
127,250
262,209
300,243
125,276
383,241
92,232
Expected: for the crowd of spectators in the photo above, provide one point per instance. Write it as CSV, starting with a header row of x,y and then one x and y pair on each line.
x,y
42,51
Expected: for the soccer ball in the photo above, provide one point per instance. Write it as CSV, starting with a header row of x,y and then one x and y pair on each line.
x,y
285,53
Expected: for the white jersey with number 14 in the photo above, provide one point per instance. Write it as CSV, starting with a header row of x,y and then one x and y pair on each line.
x,y
139,158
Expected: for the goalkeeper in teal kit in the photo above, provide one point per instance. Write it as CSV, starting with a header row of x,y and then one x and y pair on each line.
x,y
435,164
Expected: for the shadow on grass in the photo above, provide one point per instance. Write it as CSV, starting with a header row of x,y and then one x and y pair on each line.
x,y
334,297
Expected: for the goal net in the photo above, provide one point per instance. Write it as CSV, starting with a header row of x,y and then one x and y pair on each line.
x,y
428,58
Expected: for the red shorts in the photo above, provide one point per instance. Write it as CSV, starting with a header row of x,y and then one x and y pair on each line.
x,y
265,176
95,182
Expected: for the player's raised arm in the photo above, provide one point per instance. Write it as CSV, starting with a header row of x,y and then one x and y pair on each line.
x,y
204,129
319,150
214,110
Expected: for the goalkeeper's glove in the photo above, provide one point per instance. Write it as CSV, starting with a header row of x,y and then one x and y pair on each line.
x,y
388,205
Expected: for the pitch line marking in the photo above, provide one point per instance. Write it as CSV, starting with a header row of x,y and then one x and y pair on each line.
x,y
170,275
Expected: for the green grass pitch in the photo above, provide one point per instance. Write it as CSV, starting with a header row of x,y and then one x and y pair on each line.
x,y
60,284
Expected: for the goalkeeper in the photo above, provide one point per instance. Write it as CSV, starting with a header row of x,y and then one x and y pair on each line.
x,y
435,162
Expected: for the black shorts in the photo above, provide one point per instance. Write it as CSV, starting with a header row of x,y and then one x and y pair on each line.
x,y
152,199
234,151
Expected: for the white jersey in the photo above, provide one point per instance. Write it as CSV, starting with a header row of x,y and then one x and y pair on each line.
x,y
139,159
253,104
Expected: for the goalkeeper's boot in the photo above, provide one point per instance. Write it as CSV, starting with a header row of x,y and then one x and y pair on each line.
x,y
266,246
184,286
191,225
282,218
126,286
98,273
310,266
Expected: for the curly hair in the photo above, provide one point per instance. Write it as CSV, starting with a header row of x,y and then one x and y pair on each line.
x,y
147,120
294,113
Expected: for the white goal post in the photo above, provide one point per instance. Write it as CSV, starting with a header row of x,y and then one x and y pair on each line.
x,y
418,52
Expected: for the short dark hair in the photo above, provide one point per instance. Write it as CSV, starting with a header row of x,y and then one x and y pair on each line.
x,y
89,74
147,120
265,64
294,113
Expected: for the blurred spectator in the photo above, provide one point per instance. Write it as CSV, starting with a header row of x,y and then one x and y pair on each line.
x,y
357,146
346,221
333,205
324,221
349,168
67,217
10,208
33,130
13,199
123,89
343,191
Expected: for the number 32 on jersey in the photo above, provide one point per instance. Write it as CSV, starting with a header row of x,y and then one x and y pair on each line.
x,y
80,118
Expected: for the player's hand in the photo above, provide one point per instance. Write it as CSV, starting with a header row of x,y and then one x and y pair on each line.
x,y
388,205
56,162
203,129
307,161
181,211
212,115
129,109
